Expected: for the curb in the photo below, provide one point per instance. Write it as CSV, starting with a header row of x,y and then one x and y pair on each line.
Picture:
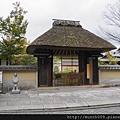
x,y
59,109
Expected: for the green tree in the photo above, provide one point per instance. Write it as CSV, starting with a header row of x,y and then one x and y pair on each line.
x,y
112,60
24,59
13,30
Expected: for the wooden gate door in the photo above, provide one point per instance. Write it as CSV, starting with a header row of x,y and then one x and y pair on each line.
x,y
45,71
43,75
42,72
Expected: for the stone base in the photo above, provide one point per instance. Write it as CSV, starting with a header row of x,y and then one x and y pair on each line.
x,y
15,92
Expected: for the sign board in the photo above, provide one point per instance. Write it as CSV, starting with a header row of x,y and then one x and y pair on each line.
x,y
1,77
88,71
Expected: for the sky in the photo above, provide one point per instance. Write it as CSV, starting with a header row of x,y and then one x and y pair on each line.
x,y
41,12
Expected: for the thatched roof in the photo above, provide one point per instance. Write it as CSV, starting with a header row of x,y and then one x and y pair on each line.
x,y
69,34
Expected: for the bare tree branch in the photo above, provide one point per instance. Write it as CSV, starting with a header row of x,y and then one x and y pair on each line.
x,y
112,17
110,35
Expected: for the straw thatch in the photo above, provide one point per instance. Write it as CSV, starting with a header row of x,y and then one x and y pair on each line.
x,y
69,34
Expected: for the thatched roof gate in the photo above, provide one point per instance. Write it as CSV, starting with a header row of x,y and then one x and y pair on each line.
x,y
68,38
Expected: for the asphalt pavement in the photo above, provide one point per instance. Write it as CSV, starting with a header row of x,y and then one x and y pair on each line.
x,y
65,97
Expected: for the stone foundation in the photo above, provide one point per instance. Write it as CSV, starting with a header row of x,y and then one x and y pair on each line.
x,y
110,82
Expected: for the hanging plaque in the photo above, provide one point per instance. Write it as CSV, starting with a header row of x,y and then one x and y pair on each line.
x,y
1,77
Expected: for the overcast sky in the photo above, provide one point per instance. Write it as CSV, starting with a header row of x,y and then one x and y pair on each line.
x,y
41,12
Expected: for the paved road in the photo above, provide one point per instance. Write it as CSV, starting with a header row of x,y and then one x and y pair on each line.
x,y
60,98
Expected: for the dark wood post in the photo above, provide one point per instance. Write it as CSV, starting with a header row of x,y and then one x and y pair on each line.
x,y
0,61
38,61
50,71
82,59
95,71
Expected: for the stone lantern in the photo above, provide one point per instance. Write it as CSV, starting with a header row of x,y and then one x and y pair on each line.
x,y
15,81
